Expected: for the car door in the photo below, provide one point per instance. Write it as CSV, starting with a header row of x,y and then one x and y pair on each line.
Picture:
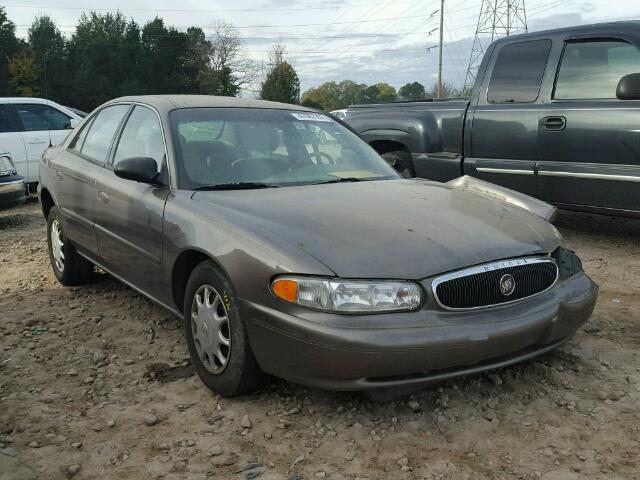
x,y
504,138
129,215
590,140
75,170
36,122
11,140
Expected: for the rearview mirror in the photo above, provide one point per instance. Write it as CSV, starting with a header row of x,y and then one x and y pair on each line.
x,y
74,122
139,169
629,87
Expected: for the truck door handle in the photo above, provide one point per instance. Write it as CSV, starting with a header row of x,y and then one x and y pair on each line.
x,y
104,196
554,123
36,141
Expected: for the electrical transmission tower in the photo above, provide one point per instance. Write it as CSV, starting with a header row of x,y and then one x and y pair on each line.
x,y
498,18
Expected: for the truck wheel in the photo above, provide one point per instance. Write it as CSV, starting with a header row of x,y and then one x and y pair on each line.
x,y
216,335
400,160
69,267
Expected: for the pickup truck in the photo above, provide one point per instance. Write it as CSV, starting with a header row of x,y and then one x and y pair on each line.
x,y
553,114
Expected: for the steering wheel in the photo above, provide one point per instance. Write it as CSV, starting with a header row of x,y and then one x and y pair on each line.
x,y
297,163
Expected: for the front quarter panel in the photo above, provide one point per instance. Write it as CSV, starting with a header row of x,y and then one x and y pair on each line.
x,y
249,256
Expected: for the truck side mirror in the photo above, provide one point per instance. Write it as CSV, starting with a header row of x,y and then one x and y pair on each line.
x,y
74,122
629,87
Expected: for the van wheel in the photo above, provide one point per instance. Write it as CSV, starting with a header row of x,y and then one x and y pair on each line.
x,y
69,267
400,160
216,334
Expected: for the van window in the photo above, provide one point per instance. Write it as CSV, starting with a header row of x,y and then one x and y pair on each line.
x,y
517,73
37,117
5,121
591,70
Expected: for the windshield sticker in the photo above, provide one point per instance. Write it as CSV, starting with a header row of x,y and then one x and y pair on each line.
x,y
355,174
311,117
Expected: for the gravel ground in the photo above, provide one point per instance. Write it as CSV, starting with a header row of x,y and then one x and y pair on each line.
x,y
85,391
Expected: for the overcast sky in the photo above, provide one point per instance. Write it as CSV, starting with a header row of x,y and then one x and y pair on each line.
x,y
367,41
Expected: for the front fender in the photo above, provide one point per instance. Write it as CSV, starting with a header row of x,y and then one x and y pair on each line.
x,y
526,202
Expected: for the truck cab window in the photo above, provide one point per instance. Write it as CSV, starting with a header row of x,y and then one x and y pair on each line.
x,y
517,73
592,70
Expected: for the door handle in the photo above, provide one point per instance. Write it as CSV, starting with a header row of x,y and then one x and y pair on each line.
x,y
104,196
36,141
554,123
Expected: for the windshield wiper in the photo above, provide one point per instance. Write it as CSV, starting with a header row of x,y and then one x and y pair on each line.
x,y
235,186
341,180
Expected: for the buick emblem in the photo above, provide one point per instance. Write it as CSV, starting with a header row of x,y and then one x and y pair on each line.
x,y
507,285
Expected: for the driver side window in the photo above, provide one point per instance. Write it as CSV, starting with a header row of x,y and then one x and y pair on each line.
x,y
141,137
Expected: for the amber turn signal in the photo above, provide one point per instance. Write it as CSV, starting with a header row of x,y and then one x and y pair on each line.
x,y
285,289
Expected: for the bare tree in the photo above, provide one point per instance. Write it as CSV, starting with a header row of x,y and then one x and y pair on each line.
x,y
228,59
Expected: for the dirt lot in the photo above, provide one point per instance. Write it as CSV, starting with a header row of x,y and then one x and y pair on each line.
x,y
76,399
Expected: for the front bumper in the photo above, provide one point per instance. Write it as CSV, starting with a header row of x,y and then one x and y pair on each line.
x,y
12,192
441,345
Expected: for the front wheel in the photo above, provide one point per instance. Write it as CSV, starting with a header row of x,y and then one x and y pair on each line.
x,y
216,335
400,160
69,267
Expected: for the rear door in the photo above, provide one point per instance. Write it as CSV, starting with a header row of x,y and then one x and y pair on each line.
x,y
76,170
504,132
590,140
36,121
129,215
11,140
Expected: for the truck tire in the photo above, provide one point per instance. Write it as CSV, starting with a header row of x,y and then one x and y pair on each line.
x,y
400,160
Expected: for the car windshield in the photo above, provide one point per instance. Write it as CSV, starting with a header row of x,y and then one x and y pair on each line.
x,y
266,147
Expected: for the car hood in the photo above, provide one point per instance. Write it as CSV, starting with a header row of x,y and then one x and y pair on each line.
x,y
387,229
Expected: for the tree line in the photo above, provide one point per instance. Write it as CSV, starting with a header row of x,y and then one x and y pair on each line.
x,y
334,96
108,56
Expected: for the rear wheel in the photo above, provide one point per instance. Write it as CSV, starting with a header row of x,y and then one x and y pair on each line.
x,y
216,335
400,160
69,267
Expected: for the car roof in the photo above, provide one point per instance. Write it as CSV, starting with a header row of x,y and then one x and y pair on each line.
x,y
24,100
173,102
625,26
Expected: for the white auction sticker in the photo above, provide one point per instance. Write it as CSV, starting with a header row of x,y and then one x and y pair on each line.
x,y
311,117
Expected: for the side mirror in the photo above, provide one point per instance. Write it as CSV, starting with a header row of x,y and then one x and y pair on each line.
x,y
629,87
139,169
74,122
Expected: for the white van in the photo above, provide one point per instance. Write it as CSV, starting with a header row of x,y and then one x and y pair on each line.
x,y
28,126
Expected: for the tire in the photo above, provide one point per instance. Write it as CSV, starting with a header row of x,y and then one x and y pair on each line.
x,y
400,160
69,267
210,309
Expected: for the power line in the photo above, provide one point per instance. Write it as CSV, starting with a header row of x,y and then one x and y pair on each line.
x,y
282,25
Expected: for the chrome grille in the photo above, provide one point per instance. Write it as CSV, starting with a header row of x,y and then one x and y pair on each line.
x,y
480,287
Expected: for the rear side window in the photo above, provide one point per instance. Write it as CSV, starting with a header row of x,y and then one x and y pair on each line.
x,y
36,117
517,73
5,121
101,132
591,70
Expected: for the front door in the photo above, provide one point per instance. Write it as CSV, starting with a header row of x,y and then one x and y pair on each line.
x,y
11,140
36,121
129,215
504,141
75,171
590,140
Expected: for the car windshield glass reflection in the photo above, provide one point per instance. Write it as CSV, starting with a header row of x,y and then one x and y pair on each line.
x,y
227,146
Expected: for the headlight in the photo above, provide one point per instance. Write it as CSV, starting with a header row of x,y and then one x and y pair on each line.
x,y
6,166
348,296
